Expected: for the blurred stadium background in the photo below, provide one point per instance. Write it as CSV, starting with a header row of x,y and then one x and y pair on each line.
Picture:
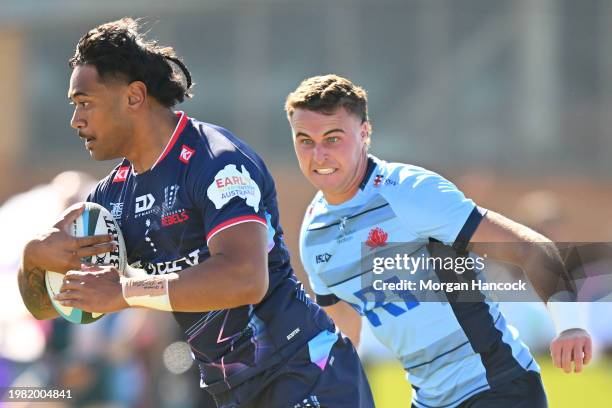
x,y
511,100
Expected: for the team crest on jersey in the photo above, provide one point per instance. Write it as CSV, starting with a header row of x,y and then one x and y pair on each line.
x,y
186,154
377,237
116,210
230,183
121,174
170,193
170,215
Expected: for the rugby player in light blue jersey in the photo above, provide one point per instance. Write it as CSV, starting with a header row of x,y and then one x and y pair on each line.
x,y
457,354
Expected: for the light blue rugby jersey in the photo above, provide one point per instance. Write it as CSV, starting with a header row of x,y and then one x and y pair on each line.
x,y
450,350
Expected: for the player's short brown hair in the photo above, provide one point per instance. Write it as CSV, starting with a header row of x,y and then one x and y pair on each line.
x,y
327,93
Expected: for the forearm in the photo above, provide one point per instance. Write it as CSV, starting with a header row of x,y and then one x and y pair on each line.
x,y
219,283
215,284
535,254
545,269
235,274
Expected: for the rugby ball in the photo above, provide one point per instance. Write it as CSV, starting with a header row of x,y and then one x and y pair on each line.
x,y
95,220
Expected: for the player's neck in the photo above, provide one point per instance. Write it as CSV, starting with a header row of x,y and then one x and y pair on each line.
x,y
151,136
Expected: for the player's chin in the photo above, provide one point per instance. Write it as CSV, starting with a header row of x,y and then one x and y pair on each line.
x,y
325,185
99,155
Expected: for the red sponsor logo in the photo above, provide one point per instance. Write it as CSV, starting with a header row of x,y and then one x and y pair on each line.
x,y
230,181
378,180
186,154
172,219
377,238
121,174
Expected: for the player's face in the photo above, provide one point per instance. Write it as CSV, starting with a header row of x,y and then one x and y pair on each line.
x,y
99,117
332,151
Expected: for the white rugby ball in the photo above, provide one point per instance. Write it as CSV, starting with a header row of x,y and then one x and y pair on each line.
x,y
95,220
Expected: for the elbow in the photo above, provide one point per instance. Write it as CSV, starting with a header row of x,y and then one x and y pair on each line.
x,y
258,288
256,283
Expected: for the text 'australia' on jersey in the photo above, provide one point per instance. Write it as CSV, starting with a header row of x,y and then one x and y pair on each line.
x,y
206,181
450,350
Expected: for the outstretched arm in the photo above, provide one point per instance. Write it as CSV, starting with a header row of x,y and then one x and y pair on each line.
x,y
541,262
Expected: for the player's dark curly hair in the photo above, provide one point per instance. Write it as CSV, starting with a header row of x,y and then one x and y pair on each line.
x,y
326,93
119,51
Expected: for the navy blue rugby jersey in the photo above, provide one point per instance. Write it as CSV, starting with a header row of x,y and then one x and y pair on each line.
x,y
207,180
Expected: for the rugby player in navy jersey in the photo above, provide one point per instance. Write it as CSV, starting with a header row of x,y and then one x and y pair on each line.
x,y
198,212
456,353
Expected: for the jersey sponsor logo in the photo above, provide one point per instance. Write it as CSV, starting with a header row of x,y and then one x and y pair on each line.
x,y
116,210
230,183
343,239
380,306
378,180
322,258
293,333
144,203
186,154
121,174
175,218
177,265
377,237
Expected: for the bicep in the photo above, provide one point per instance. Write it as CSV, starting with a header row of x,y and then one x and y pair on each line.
x,y
503,239
242,242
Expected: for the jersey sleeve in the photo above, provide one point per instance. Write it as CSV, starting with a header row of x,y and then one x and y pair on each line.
x,y
323,296
230,192
433,207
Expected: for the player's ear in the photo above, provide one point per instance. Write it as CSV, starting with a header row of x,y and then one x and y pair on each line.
x,y
137,94
364,132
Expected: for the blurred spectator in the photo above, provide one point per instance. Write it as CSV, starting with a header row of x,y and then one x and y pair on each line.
x,y
22,338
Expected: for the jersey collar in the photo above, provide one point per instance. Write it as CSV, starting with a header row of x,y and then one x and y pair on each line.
x,y
175,135
368,173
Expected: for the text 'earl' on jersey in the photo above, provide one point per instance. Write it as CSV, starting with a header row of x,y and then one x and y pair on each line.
x,y
206,181
450,350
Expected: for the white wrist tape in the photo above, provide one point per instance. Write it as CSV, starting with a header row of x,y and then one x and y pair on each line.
x,y
150,292
567,315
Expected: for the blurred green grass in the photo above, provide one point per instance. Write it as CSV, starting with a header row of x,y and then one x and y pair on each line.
x,y
591,389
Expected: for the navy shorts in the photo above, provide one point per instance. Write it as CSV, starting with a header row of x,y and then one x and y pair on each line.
x,y
325,373
525,391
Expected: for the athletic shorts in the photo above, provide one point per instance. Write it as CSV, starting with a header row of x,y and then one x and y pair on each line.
x,y
326,372
525,391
